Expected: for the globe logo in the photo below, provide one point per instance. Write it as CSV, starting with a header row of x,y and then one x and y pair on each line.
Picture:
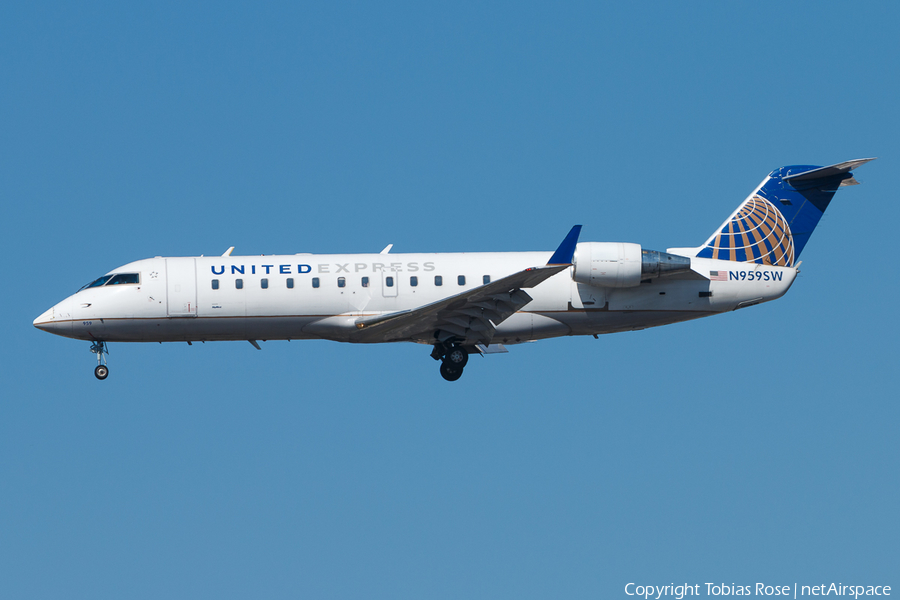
x,y
756,233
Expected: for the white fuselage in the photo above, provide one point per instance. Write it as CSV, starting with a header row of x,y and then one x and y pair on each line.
x,y
175,299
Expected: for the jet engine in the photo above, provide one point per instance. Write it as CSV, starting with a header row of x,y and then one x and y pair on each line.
x,y
621,265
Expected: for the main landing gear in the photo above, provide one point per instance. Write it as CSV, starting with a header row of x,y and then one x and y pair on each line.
x,y
453,359
100,349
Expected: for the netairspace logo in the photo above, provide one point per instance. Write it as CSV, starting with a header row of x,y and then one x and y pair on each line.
x,y
678,592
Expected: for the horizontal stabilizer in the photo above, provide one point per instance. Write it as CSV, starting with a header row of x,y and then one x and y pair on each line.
x,y
825,172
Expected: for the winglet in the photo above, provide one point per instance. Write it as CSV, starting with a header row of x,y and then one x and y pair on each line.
x,y
566,250
229,251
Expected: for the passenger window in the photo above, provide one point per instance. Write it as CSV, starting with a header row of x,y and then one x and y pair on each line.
x,y
389,281
341,282
438,280
215,284
264,283
461,280
365,282
239,284
290,283
125,278
486,279
413,281
315,282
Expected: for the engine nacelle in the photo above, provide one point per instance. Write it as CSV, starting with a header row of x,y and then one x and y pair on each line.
x,y
608,264
620,265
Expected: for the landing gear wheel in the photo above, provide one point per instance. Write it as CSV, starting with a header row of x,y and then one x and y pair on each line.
x,y
449,373
456,358
99,348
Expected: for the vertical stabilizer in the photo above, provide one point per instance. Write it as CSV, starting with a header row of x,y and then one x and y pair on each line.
x,y
773,224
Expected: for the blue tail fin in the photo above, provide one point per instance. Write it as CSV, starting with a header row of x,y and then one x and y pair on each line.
x,y
772,226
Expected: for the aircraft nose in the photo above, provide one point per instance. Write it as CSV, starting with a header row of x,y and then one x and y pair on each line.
x,y
57,319
44,321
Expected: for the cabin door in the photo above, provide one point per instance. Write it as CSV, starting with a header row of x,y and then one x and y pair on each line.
x,y
181,287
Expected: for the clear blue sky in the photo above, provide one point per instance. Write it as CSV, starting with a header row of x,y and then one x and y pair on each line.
x,y
758,446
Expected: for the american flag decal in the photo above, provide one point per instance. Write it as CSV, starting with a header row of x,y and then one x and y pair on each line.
x,y
718,275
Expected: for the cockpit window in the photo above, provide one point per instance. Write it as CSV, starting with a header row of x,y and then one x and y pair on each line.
x,y
97,282
114,279
125,278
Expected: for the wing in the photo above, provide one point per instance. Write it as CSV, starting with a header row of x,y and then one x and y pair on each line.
x,y
472,315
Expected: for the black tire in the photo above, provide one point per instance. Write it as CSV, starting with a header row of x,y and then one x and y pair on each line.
x,y
449,373
101,372
456,358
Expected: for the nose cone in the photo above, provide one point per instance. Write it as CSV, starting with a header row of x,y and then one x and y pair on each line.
x,y
44,321
56,320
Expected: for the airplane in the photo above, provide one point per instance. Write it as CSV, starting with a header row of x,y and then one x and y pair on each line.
x,y
459,303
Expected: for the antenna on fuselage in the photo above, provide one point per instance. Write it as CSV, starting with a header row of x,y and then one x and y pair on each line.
x,y
386,249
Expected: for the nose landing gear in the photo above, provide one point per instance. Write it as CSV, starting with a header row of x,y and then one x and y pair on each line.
x,y
453,359
100,349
